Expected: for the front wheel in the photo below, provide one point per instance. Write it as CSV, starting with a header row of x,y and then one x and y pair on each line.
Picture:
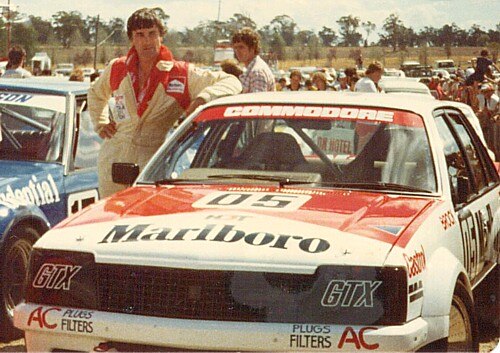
x,y
14,268
463,331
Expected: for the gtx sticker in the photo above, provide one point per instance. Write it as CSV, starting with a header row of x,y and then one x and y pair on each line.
x,y
212,232
309,111
415,263
55,276
40,316
36,192
248,200
350,293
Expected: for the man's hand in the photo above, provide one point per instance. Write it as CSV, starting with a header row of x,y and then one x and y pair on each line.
x,y
194,104
108,130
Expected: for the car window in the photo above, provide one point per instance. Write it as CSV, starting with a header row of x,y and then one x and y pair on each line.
x,y
31,133
473,154
87,141
346,151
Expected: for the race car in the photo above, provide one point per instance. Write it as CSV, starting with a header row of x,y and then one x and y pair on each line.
x,y
48,153
316,221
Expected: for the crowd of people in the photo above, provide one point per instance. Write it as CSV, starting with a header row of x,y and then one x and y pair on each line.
x,y
151,91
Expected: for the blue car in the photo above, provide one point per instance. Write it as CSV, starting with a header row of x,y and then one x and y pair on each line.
x,y
48,171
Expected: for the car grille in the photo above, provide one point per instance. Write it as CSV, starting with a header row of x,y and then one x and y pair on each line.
x,y
201,295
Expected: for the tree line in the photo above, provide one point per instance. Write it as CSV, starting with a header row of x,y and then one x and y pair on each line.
x,y
67,29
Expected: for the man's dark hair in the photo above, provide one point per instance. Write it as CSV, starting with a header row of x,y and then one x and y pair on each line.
x,y
484,52
249,37
16,56
144,18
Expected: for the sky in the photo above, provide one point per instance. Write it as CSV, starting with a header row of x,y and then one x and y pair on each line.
x,y
308,14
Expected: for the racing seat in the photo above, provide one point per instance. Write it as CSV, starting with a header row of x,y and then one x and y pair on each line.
x,y
274,151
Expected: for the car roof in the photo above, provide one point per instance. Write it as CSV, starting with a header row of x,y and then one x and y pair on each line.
x,y
44,84
376,100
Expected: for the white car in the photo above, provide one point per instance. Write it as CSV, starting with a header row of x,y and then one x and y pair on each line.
x,y
403,85
322,221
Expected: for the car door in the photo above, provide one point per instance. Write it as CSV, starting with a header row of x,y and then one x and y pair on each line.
x,y
475,188
83,145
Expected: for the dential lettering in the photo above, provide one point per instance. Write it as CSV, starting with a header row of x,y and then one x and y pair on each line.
x,y
211,232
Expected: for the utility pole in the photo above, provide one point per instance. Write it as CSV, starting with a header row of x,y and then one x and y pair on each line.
x,y
8,25
95,47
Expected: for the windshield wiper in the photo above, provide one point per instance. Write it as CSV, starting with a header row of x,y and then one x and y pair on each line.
x,y
280,180
170,181
378,186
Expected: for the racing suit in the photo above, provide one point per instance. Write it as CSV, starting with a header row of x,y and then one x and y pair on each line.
x,y
143,118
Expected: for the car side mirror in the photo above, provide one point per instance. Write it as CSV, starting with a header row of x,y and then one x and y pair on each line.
x,y
124,173
463,187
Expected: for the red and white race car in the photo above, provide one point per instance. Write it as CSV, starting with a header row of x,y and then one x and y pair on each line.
x,y
280,222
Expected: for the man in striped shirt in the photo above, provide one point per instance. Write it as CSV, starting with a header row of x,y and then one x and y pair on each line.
x,y
258,76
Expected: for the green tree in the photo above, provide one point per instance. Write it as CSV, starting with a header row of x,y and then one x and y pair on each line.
x,y
239,21
66,24
25,36
117,27
328,36
43,29
394,29
286,27
348,31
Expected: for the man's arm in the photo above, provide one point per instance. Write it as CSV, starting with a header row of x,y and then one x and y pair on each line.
x,y
98,97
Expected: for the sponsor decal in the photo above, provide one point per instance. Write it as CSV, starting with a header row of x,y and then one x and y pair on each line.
x,y
39,316
350,336
310,336
120,109
476,228
15,97
35,192
212,232
447,220
415,291
55,276
249,200
350,293
177,85
309,111
393,230
415,263
79,200
74,320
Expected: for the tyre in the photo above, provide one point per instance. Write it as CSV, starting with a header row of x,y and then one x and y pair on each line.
x,y
14,267
463,331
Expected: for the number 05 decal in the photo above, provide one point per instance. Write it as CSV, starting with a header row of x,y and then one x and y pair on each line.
x,y
249,200
80,200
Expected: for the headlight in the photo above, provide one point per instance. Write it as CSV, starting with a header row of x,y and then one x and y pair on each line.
x,y
62,278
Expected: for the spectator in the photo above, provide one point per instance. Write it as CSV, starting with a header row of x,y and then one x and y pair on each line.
x,y
436,88
231,67
320,81
94,76
341,84
295,82
77,75
281,84
15,64
258,76
483,64
488,116
151,91
309,85
369,83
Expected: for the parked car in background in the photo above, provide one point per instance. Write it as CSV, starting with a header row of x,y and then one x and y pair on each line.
x,y
447,64
41,64
48,157
87,71
403,85
64,69
280,222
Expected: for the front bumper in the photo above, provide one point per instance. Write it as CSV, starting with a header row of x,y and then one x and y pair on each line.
x,y
49,328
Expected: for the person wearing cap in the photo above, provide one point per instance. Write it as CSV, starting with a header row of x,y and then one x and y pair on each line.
x,y
488,115
369,83
151,91
341,84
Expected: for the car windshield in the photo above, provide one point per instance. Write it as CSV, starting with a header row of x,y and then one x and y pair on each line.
x,y
344,147
30,132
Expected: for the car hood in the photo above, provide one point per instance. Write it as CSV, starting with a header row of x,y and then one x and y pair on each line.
x,y
241,228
